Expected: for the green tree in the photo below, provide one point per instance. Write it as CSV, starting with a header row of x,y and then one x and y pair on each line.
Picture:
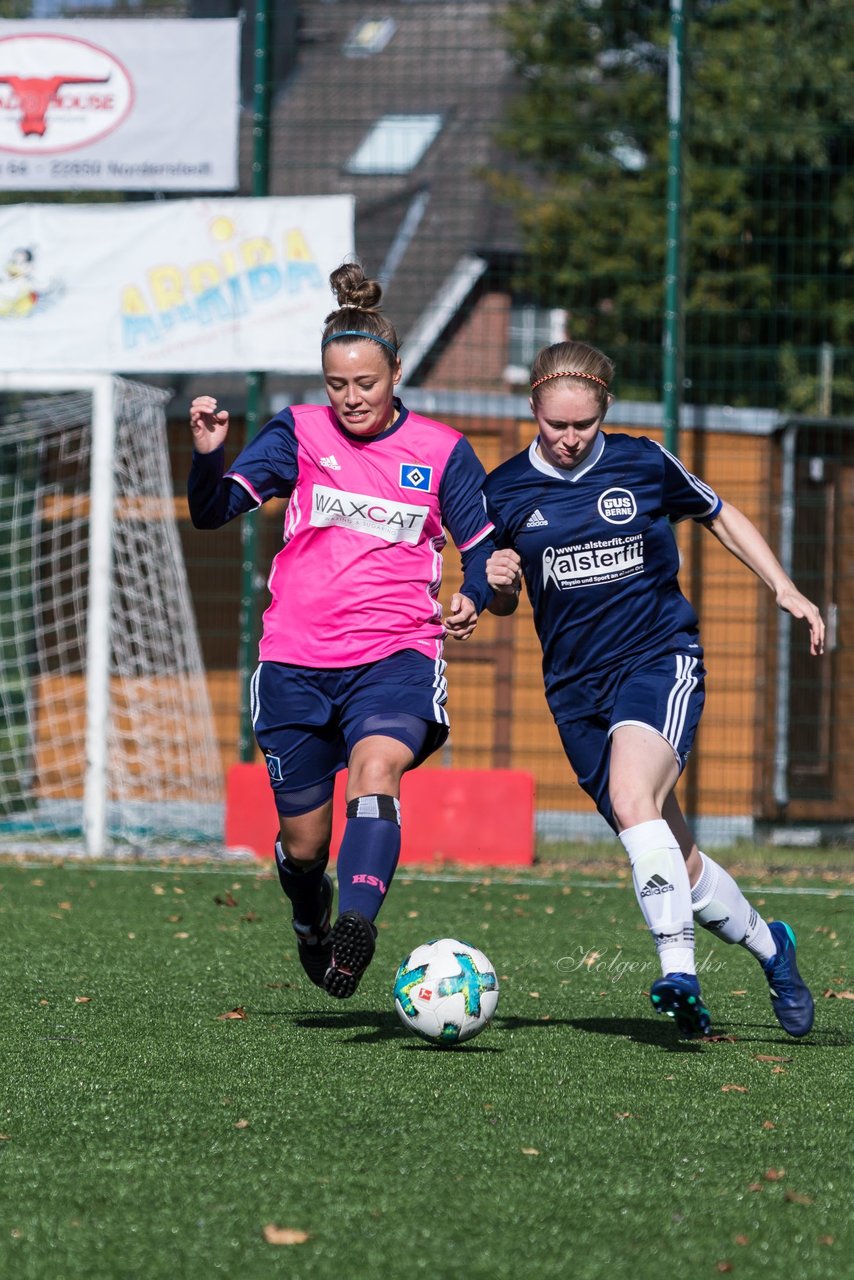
x,y
769,185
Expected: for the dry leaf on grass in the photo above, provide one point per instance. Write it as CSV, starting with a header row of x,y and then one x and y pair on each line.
x,y
530,1151
838,995
796,1197
774,1175
733,1088
82,999
241,1124
724,1266
768,1124
770,1057
239,1012
227,901
284,1235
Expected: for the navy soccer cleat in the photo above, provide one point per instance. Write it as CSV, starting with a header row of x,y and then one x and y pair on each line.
x,y
314,941
791,1001
678,996
353,941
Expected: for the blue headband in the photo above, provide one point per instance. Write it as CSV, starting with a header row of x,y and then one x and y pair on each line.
x,y
357,333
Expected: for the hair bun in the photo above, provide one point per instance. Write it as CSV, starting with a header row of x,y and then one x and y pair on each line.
x,y
353,289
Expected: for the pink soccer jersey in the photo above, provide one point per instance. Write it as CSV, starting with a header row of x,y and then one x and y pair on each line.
x,y
363,533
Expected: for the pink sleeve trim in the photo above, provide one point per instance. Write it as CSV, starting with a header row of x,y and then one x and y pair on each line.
x,y
479,537
244,483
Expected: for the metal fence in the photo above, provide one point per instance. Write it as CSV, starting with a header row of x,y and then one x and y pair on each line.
x,y
510,165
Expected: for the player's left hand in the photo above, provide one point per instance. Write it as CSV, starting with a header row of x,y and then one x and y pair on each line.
x,y
790,599
461,619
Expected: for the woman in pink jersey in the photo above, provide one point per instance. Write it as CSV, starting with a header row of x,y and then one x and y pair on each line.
x,y
351,670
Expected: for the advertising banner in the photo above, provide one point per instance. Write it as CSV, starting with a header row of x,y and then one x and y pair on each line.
x,y
170,285
124,105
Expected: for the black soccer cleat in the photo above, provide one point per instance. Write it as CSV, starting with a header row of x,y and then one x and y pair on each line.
x,y
353,941
314,941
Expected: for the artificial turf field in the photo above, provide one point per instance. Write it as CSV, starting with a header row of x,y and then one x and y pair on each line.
x,y
143,1134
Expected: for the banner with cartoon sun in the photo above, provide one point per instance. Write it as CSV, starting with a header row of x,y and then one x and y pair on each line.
x,y
170,286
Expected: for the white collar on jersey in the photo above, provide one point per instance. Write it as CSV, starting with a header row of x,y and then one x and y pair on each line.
x,y
559,473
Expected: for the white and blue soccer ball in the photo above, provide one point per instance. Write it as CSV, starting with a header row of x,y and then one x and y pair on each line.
x,y
446,991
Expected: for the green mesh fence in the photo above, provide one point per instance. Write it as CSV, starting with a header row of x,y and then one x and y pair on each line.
x,y
509,165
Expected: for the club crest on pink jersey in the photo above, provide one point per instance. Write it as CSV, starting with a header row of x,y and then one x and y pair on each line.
x,y
415,476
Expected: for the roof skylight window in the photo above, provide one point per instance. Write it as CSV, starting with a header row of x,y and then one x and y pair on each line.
x,y
395,144
369,36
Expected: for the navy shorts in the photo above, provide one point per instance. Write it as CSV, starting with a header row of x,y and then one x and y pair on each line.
x,y
307,720
665,694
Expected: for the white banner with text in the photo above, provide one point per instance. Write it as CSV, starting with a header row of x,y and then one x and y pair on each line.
x,y
170,285
141,104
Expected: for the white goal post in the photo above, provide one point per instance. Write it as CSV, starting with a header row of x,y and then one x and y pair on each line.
x,y
109,738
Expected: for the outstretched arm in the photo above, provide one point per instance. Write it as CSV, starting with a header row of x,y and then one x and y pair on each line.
x,y
740,536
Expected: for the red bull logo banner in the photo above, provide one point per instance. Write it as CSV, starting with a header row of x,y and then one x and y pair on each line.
x,y
169,286
110,105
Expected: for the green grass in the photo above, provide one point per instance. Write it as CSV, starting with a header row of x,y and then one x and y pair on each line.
x,y
146,1137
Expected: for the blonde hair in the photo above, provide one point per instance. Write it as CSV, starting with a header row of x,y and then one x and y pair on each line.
x,y
359,314
573,360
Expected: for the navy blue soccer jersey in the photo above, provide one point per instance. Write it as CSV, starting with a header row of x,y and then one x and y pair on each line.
x,y
600,560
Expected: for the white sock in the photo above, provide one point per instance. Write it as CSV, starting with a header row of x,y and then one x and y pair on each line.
x,y
663,892
721,907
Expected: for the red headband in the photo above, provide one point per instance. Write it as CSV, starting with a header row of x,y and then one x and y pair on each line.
x,y
569,373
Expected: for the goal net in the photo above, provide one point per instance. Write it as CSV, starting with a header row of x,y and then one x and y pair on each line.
x,y
107,742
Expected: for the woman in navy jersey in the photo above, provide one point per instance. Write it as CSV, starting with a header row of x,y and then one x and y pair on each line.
x,y
351,672
585,517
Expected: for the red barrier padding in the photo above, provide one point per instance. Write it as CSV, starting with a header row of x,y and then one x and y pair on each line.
x,y
478,816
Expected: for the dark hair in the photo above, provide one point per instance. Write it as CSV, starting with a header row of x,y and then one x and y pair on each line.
x,y
359,313
575,360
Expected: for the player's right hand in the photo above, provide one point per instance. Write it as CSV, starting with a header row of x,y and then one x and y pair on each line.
x,y
209,425
504,571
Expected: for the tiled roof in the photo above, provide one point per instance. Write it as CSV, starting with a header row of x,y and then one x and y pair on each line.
x,y
422,227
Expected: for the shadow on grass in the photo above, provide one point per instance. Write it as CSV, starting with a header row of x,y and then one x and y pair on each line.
x,y
368,1025
659,1033
771,1033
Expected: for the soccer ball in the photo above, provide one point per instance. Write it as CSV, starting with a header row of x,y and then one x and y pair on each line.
x,y
445,991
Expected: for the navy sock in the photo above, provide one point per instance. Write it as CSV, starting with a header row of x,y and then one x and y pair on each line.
x,y
370,848
302,888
